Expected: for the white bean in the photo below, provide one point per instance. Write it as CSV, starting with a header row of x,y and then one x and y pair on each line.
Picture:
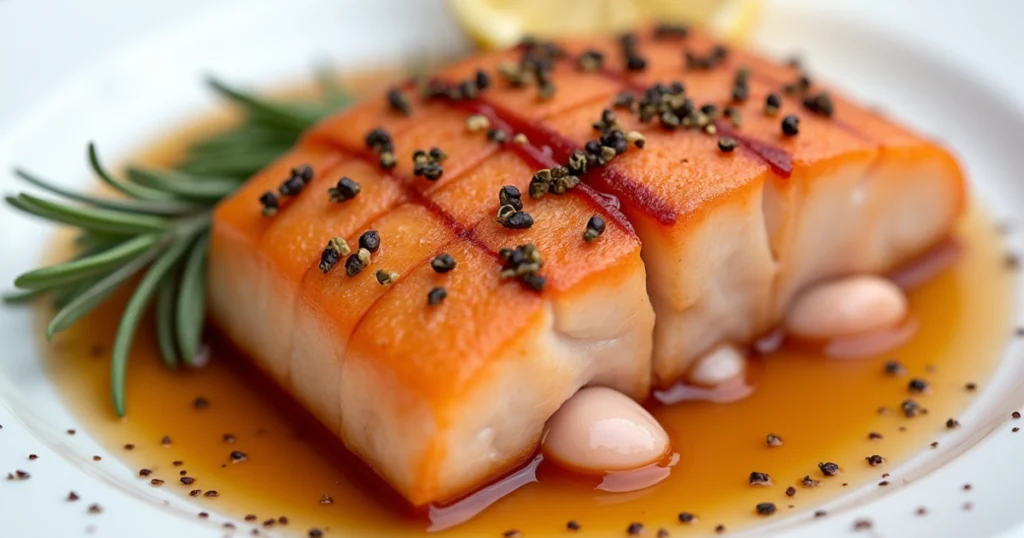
x,y
721,365
600,429
845,307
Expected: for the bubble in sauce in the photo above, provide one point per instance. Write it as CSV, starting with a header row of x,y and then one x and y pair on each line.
x,y
845,307
599,430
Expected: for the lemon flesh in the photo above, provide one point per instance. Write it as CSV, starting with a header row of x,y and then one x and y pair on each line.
x,y
503,23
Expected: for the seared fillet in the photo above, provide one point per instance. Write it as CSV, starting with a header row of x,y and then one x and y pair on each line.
x,y
700,247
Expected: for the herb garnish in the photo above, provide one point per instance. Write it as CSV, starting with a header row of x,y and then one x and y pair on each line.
x,y
159,230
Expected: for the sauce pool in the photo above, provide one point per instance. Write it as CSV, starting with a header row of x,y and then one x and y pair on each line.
x,y
822,409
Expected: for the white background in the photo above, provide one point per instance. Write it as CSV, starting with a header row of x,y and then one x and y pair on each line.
x,y
44,43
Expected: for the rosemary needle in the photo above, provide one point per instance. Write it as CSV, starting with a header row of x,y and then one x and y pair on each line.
x,y
165,320
133,313
159,228
84,268
192,301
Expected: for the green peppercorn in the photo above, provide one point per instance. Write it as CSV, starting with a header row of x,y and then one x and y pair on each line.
x,y
477,123
364,256
354,265
546,91
386,278
734,116
577,164
636,138
336,249
387,160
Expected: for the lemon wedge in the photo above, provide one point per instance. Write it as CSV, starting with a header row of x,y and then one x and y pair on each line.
x,y
503,23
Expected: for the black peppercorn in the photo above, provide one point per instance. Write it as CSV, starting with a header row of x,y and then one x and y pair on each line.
x,y
828,468
398,101
436,295
910,408
510,195
291,186
303,172
790,125
759,479
893,367
595,227
820,104
345,190
534,282
917,385
482,79
520,220
370,240
443,263
432,171
270,204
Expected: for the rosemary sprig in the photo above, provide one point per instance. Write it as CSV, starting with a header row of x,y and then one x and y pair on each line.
x,y
157,234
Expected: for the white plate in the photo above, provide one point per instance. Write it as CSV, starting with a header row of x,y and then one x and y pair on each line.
x,y
153,84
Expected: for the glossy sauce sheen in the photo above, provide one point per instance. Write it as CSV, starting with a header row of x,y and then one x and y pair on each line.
x,y
823,409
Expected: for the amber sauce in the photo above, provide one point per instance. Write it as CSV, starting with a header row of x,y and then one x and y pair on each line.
x,y
822,408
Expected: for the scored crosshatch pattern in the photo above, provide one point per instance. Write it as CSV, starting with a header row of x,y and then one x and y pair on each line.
x,y
679,192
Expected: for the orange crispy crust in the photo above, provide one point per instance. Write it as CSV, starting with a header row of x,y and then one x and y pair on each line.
x,y
680,171
435,351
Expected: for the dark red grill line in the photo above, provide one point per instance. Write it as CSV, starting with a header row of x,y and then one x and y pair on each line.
x,y
778,159
417,197
557,148
543,158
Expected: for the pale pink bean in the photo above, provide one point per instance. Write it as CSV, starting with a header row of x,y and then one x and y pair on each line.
x,y
845,307
600,429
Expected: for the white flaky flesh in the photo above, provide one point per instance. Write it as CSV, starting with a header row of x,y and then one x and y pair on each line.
x,y
725,276
729,274
596,333
710,280
864,218
593,334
